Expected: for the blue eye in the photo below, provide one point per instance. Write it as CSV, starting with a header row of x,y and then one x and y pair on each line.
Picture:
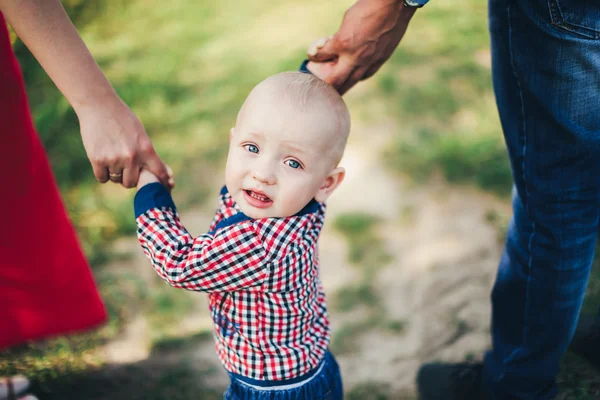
x,y
293,164
251,148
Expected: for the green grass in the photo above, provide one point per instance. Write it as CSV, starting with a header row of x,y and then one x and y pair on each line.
x,y
178,343
578,380
123,294
152,379
355,225
166,308
370,391
350,297
366,247
591,304
396,325
365,250
74,366
345,339
482,160
462,159
185,68
499,222
437,91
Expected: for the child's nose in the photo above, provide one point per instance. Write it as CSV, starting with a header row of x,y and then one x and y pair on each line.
x,y
264,176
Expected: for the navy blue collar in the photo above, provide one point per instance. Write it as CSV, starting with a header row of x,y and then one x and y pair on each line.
x,y
310,208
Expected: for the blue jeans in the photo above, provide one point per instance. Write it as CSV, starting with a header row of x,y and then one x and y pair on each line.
x,y
546,74
325,385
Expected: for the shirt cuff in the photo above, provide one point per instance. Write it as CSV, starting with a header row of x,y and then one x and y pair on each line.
x,y
152,195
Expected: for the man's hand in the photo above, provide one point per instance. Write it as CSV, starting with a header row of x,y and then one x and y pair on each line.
x,y
117,144
369,34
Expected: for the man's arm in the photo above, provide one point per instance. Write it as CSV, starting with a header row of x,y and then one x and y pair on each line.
x,y
369,34
114,138
232,259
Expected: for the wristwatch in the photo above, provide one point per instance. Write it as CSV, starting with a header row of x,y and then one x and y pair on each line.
x,y
414,3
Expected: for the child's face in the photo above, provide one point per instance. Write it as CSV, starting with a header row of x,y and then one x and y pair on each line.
x,y
279,159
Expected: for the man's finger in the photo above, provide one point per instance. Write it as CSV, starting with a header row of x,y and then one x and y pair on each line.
x,y
158,168
354,78
372,69
100,172
321,51
340,73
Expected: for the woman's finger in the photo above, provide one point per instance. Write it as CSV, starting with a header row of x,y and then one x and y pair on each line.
x,y
115,174
155,165
130,176
100,172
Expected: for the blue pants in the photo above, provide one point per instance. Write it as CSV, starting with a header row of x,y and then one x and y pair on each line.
x,y
326,384
546,73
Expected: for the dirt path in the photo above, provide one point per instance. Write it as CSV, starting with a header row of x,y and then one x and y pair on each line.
x,y
445,255
436,286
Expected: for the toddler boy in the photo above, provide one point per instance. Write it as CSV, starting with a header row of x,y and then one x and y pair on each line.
x,y
259,262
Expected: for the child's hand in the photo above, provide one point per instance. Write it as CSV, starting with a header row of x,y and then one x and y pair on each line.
x,y
147,177
319,69
171,178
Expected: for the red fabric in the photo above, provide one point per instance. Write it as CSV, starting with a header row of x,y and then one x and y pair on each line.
x,y
46,286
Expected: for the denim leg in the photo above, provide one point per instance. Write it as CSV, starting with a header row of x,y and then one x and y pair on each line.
x,y
546,73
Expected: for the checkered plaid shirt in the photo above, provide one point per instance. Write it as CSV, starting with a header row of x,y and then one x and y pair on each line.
x,y
261,276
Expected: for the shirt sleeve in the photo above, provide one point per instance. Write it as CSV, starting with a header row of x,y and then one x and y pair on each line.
x,y
231,259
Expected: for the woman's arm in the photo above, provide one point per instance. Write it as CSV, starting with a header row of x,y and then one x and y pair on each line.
x,y
113,136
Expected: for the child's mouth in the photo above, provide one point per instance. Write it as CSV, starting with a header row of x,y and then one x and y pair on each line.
x,y
257,199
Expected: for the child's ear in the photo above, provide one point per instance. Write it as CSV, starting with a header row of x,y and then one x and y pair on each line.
x,y
231,132
330,183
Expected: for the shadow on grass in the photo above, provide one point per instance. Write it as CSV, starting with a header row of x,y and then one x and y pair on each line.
x,y
168,373
578,379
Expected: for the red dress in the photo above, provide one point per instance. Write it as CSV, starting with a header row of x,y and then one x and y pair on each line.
x,y
46,286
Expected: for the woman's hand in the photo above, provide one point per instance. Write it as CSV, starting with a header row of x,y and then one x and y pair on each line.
x,y
117,144
114,138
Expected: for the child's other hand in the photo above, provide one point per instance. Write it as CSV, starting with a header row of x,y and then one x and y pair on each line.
x,y
319,69
147,177
171,178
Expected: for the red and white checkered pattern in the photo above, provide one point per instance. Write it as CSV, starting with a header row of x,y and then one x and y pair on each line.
x,y
262,280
